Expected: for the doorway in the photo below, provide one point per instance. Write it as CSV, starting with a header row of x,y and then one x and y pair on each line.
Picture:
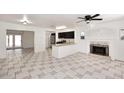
x,y
13,41
50,39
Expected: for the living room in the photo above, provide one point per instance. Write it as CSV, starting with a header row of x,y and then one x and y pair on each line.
x,y
61,46
79,42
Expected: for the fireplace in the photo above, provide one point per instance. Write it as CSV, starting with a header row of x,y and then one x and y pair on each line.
x,y
99,49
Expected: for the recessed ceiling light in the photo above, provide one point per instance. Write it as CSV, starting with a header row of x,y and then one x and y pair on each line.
x,y
61,27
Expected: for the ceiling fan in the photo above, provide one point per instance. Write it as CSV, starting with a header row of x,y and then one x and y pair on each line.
x,y
25,20
89,18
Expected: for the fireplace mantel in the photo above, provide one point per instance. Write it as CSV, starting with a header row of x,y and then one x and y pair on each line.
x,y
100,42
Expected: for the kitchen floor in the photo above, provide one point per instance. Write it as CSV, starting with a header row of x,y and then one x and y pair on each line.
x,y
25,64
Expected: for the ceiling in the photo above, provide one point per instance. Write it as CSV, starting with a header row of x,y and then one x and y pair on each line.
x,y
52,20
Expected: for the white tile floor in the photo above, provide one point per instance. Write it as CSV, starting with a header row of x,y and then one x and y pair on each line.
x,y
25,64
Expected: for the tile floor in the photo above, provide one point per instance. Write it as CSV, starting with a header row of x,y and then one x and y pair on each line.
x,y
25,64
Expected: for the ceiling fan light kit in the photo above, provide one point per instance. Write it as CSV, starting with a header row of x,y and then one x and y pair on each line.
x,y
25,23
25,20
87,21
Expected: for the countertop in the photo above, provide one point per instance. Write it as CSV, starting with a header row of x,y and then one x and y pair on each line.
x,y
64,44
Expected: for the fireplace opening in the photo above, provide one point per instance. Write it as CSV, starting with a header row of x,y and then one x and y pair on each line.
x,y
99,49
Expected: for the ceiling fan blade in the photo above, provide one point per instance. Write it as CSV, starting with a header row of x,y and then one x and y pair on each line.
x,y
30,22
79,21
97,19
95,15
21,20
81,18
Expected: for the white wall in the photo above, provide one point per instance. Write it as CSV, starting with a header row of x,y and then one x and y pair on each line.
x,y
28,39
107,31
2,43
39,36
82,43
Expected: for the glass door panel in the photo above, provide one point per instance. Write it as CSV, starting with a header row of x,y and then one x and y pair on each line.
x,y
17,41
9,41
13,41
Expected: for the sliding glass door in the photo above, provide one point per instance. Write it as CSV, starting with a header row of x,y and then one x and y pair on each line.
x,y
13,41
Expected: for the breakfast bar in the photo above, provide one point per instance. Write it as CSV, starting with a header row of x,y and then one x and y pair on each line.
x,y
63,50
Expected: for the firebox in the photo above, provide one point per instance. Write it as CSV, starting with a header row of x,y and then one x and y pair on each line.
x,y
99,49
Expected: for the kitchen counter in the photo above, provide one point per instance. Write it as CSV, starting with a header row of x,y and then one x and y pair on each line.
x,y
65,44
63,50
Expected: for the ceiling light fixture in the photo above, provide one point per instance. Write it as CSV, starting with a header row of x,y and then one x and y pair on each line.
x,y
61,27
87,21
25,20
